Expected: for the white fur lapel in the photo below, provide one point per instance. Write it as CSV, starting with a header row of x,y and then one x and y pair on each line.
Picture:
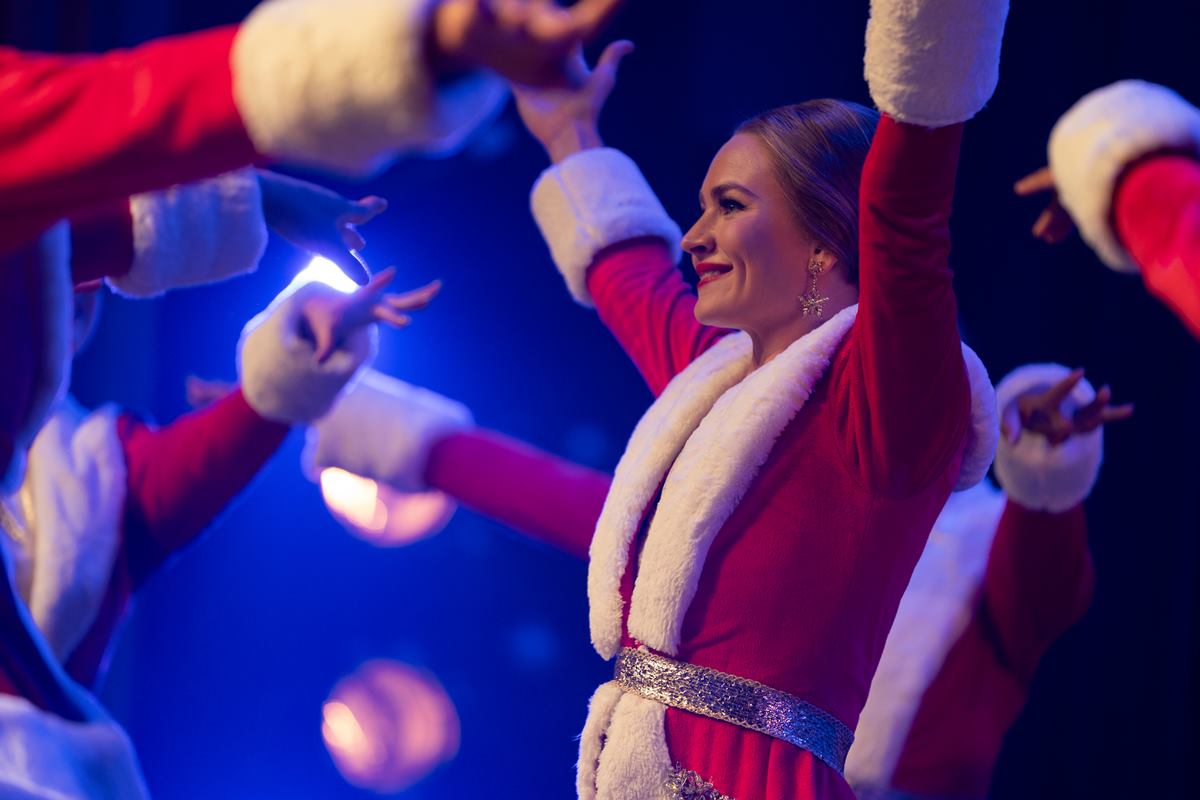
x,y
935,609
712,428
76,475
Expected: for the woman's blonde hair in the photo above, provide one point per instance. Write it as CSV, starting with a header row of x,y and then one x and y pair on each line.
x,y
818,149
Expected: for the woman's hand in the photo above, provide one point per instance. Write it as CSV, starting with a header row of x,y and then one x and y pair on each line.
x,y
1042,412
1054,224
328,319
524,41
321,221
566,120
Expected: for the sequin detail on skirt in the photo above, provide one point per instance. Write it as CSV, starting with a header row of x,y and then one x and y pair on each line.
x,y
687,785
740,701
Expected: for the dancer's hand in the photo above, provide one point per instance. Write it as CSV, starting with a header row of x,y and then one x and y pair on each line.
x,y
202,393
525,41
329,318
1042,412
566,120
1054,224
321,221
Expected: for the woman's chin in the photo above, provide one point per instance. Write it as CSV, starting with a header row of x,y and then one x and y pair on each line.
x,y
714,314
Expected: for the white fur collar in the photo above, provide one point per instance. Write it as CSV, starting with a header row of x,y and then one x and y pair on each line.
x,y
935,609
713,427
76,478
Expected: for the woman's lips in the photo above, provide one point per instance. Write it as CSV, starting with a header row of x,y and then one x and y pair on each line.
x,y
709,272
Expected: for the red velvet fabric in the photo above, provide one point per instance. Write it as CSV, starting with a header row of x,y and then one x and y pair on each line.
x,y
1156,211
81,130
802,582
1038,583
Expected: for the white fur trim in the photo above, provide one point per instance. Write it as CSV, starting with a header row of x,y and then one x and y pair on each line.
x,y
76,479
278,371
1102,134
44,757
933,613
984,434
53,261
194,234
1036,474
591,741
383,429
594,199
934,62
345,85
712,427
634,762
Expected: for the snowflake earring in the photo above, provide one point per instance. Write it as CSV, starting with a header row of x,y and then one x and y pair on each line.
x,y
812,300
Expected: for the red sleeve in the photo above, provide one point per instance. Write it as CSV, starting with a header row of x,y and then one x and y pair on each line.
x,y
548,498
647,305
182,475
1039,582
101,242
909,400
1157,216
80,130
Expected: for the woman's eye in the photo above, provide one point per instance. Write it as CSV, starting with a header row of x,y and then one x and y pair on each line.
x,y
729,205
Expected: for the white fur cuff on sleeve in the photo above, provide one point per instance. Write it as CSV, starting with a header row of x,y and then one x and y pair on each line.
x,y
345,85
383,429
594,199
194,234
934,62
1102,134
1034,473
279,374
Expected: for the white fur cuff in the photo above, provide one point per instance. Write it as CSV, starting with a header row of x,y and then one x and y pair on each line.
x,y
279,374
934,62
199,233
1102,134
594,199
1034,473
383,429
345,85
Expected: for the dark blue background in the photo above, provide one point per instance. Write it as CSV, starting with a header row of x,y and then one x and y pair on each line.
x,y
221,673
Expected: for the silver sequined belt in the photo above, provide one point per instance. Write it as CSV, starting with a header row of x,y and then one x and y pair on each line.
x,y
742,702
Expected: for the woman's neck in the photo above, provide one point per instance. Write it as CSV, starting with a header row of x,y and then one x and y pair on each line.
x,y
773,340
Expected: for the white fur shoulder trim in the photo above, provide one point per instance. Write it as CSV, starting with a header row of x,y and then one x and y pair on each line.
x,y
1036,474
44,757
194,234
594,199
1101,135
77,480
934,62
383,429
984,433
277,368
345,85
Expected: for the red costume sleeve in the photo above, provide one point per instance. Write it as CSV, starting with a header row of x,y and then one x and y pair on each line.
x,y
549,498
643,299
1039,582
909,400
81,130
1157,217
182,475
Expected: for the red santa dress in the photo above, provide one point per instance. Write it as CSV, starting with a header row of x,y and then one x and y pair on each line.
x,y
104,501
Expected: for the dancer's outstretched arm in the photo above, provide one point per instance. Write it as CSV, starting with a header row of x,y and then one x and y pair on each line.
x,y
1125,167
